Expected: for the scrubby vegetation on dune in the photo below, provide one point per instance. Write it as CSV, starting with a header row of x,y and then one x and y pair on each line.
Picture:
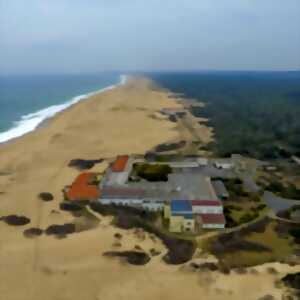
x,y
45,196
132,257
69,206
60,229
231,242
16,220
292,280
241,207
83,164
260,242
33,232
170,146
289,191
179,250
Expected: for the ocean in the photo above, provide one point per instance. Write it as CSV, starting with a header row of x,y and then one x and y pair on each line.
x,y
27,100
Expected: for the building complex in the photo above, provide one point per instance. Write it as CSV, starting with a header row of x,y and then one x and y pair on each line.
x,y
188,199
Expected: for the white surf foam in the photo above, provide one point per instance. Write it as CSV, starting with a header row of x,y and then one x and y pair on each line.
x,y
31,121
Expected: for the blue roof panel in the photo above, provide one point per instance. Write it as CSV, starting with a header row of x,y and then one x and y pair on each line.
x,y
188,216
178,206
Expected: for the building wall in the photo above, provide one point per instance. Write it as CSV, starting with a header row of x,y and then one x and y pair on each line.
x,y
121,201
167,211
153,206
146,204
176,223
189,225
213,226
207,209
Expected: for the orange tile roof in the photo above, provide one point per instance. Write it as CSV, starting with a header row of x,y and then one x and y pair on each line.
x,y
83,189
120,163
84,178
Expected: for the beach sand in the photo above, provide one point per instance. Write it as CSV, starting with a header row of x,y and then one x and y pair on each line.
x,y
124,120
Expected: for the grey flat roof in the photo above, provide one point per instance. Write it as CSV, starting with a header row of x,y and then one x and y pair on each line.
x,y
220,188
180,186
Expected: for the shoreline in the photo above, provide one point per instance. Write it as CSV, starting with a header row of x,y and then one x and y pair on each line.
x,y
125,120
41,117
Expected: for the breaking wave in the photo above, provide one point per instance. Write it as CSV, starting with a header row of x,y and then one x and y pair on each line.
x,y
31,121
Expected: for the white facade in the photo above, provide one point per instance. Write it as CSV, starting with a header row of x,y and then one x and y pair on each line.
x,y
150,205
198,209
223,165
202,161
214,226
153,205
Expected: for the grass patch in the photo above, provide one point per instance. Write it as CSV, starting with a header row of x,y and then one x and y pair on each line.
x,y
258,243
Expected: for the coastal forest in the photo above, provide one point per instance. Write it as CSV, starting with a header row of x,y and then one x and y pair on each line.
x,y
253,113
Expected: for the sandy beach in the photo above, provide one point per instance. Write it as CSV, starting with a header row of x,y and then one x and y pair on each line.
x,y
125,120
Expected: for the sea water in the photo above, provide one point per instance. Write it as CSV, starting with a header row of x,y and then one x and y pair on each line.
x,y
27,100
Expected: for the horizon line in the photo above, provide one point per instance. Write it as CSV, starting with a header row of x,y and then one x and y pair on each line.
x,y
150,71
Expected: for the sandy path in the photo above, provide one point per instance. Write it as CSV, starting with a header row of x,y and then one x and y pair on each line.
x,y
124,120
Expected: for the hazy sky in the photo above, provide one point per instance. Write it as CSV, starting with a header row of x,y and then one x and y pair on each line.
x,y
38,36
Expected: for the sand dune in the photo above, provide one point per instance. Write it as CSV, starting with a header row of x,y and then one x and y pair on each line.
x,y
114,122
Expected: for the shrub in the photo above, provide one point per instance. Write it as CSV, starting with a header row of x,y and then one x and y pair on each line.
x,y
16,220
69,206
254,198
118,235
132,257
261,206
295,232
46,196
83,164
248,217
151,172
292,280
32,232
61,229
179,250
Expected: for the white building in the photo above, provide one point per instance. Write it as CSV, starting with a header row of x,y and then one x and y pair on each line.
x,y
211,221
126,196
207,207
223,165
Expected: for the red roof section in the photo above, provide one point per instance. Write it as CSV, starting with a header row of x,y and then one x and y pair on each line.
x,y
212,218
120,163
206,203
84,178
83,188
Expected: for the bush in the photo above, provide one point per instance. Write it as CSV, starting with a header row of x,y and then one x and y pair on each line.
x,y
219,248
46,196
254,198
295,232
292,280
69,206
32,232
258,226
289,191
16,220
179,250
83,164
61,229
248,217
153,173
261,207
132,257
